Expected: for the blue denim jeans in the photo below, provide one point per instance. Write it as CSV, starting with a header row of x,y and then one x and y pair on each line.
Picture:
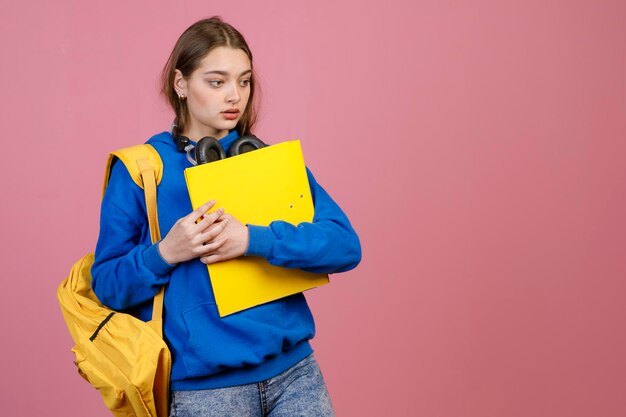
x,y
300,391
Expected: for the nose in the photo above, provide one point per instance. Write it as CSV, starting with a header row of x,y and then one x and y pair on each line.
x,y
233,96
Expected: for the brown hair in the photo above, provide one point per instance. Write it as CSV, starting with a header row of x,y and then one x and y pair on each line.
x,y
192,46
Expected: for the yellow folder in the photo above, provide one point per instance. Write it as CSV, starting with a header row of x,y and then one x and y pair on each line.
x,y
257,188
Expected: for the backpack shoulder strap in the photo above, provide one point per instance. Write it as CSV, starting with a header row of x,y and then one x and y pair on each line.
x,y
130,157
146,169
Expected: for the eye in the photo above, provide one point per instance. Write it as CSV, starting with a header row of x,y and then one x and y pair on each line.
x,y
216,83
244,83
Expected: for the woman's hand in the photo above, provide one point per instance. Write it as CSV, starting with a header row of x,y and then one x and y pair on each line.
x,y
196,235
234,244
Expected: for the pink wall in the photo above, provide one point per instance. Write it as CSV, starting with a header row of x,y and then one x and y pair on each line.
x,y
478,148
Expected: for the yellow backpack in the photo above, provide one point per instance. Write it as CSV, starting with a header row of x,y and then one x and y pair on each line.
x,y
125,358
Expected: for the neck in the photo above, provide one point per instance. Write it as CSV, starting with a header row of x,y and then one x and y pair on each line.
x,y
196,132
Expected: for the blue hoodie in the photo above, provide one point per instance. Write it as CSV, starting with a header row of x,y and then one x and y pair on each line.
x,y
209,351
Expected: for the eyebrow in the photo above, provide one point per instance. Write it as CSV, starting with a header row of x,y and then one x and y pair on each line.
x,y
225,73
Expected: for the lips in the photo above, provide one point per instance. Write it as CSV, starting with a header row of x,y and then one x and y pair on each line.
x,y
231,114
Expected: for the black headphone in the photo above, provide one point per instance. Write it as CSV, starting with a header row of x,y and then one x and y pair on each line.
x,y
208,149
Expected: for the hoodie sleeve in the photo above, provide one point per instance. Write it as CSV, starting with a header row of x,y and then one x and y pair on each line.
x,y
128,269
329,244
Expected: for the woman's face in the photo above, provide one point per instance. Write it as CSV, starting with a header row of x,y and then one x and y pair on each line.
x,y
217,92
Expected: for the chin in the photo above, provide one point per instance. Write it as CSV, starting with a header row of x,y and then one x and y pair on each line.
x,y
227,125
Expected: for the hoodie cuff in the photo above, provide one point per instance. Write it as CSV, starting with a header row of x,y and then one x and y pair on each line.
x,y
261,241
155,262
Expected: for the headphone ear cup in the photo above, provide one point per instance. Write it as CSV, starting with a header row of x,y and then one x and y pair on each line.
x,y
181,142
246,143
208,149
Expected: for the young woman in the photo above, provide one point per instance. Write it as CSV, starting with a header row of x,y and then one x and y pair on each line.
x,y
257,362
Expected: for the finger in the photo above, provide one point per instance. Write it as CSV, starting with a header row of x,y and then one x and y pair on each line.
x,y
210,259
210,247
208,219
200,211
213,231
214,256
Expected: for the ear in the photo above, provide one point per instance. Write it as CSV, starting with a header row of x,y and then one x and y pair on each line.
x,y
180,84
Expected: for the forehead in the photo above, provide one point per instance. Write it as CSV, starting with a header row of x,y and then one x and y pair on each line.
x,y
223,58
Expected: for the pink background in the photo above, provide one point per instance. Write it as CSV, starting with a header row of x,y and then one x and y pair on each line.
x,y
478,148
